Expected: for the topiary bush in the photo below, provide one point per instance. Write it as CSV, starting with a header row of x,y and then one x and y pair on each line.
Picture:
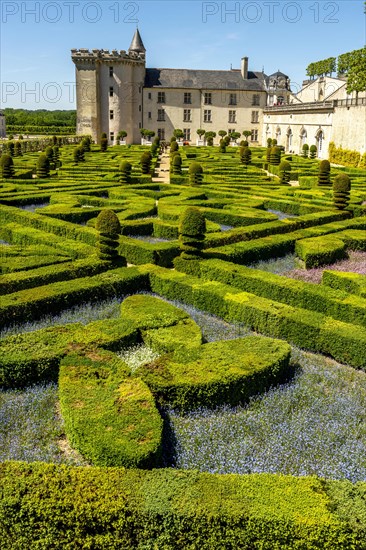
x,y
18,149
103,142
341,191
78,154
7,166
125,172
174,146
86,144
275,156
195,173
176,164
43,166
222,146
313,151
305,150
109,230
245,155
11,148
324,173
192,228
285,170
145,162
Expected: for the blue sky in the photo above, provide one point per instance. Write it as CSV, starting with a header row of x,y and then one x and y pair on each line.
x,y
36,38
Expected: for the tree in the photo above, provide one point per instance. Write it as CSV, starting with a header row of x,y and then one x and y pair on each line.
x,y
7,166
176,164
275,156
234,136
125,172
122,134
178,133
356,74
269,142
222,146
18,149
247,133
222,133
284,169
43,166
341,191
324,173
79,154
195,173
109,230
86,144
201,132
191,229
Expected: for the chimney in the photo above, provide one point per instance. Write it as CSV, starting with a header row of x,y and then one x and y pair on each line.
x,y
244,67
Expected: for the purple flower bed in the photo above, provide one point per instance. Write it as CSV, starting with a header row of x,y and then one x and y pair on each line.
x,y
356,263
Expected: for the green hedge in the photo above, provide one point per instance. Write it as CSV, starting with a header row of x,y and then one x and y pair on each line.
x,y
109,417
31,304
319,251
140,252
306,329
348,282
51,506
216,373
333,303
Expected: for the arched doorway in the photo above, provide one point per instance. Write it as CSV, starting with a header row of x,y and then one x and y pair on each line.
x,y
303,138
319,142
278,135
289,139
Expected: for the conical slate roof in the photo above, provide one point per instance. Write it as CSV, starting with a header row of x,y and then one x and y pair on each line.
x,y
137,44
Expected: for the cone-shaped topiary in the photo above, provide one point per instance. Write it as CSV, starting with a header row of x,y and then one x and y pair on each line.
x,y
285,169
18,149
43,166
49,153
7,166
222,146
174,146
145,162
274,142
269,142
313,151
275,156
109,229
227,140
195,173
79,154
11,148
245,155
324,173
125,172
305,150
86,144
176,164
341,191
192,228
268,154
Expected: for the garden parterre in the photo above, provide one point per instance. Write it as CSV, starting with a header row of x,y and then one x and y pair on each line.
x,y
114,408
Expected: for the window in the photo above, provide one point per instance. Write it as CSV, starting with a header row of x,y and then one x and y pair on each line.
x,y
140,125
161,97
111,136
208,98
255,116
232,99
230,131
111,115
110,71
187,98
256,99
149,95
149,115
187,115
207,116
140,108
232,116
140,89
254,136
161,115
111,91
161,133
187,134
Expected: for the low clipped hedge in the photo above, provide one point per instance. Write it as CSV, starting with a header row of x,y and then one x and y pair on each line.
x,y
219,372
44,505
109,417
140,252
353,283
319,251
307,329
31,304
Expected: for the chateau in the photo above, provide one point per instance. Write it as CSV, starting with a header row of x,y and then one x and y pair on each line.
x,y
115,91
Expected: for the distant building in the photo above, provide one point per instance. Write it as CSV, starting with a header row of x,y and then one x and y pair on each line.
x,y
2,125
115,91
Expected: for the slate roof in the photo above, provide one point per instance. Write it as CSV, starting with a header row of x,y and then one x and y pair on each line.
x,y
207,80
137,44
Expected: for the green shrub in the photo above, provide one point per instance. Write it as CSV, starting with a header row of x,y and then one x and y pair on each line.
x,y
222,146
18,149
305,150
320,250
109,229
341,191
313,151
78,154
176,164
275,156
43,166
145,162
192,228
125,172
285,172
174,146
324,173
7,166
103,142
245,155
195,173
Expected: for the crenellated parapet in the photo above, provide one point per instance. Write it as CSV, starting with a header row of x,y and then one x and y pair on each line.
x,y
84,54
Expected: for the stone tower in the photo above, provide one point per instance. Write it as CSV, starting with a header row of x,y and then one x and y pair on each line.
x,y
109,88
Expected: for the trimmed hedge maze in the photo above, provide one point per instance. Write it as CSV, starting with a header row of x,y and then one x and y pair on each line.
x,y
120,376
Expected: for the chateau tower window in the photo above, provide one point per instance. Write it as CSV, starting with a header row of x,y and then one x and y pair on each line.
x,y
149,95
187,115
232,116
149,115
187,134
111,71
111,115
208,98
161,133
187,98
161,97
161,115
255,116
111,91
207,115
255,99
111,136
232,99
